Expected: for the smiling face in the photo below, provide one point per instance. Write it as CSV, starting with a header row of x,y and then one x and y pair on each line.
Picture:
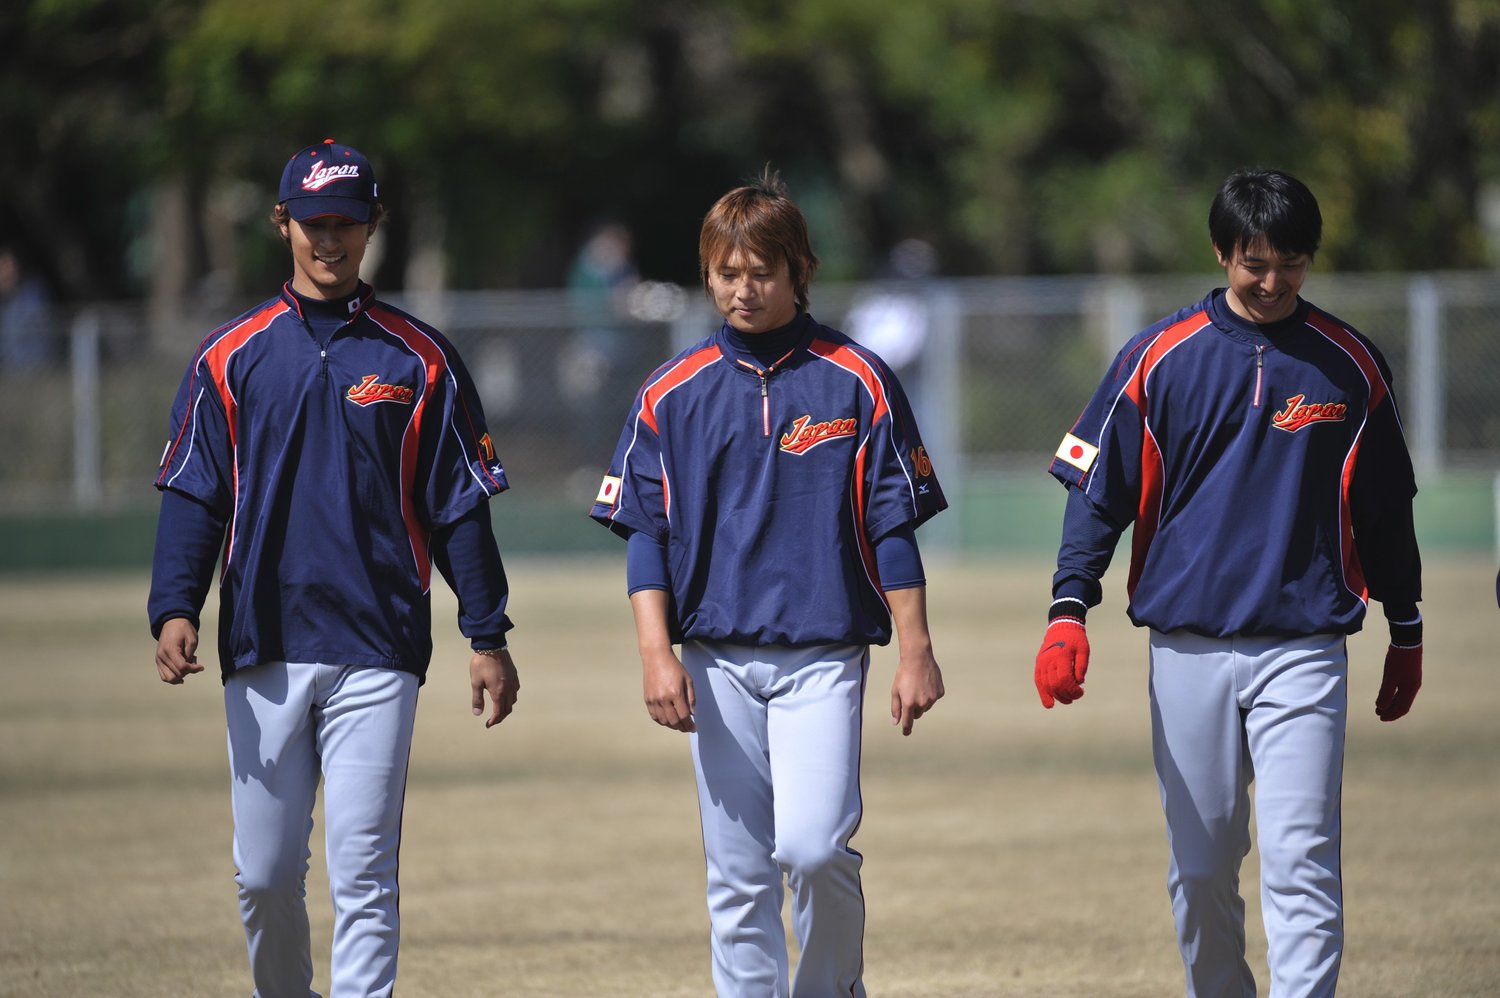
x,y
326,254
753,296
1263,284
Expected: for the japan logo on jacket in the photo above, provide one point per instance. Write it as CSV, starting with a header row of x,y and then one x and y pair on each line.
x,y
1299,413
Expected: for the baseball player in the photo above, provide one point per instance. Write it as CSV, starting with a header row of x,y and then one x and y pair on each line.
x,y
334,449
1253,441
768,481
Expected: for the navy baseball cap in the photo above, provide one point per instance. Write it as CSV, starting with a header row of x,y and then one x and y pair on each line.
x,y
329,179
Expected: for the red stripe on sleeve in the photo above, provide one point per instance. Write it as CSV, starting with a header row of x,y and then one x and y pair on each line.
x,y
1354,571
1148,516
216,358
1153,470
851,361
857,499
680,373
1357,352
435,363
1165,342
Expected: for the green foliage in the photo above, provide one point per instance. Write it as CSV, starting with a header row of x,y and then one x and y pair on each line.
x,y
1073,136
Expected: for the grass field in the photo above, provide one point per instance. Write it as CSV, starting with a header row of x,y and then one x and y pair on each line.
x,y
1009,851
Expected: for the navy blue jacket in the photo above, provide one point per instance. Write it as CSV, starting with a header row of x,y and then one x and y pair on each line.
x,y
1264,470
333,459
768,482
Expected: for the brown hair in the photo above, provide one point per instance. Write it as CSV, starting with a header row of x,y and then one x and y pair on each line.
x,y
281,215
759,218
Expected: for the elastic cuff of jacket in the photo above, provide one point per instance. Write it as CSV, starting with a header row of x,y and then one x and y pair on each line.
x,y
1406,634
1403,611
156,626
1068,606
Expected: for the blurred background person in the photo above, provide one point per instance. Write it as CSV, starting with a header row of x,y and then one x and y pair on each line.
x,y
595,363
891,316
28,335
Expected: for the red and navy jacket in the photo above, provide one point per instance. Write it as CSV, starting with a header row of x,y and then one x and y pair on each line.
x,y
1263,467
332,459
768,482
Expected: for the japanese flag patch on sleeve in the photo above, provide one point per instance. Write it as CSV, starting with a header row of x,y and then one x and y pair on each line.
x,y
609,491
1079,453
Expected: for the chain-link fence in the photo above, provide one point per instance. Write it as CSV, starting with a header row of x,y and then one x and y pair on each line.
x,y
997,369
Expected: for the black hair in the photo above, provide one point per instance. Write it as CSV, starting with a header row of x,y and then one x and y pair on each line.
x,y
1269,204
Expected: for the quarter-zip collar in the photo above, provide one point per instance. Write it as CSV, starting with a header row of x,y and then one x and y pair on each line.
x,y
1235,326
1259,337
765,352
325,317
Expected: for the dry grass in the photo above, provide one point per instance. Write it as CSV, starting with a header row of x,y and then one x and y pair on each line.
x,y
1009,851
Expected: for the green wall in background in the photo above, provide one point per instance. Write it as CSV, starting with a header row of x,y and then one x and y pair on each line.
x,y
1455,514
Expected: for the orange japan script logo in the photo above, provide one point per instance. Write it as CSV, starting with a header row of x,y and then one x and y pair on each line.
x,y
805,434
368,392
1299,413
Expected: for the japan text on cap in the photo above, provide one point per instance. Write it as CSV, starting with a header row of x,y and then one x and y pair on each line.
x,y
329,179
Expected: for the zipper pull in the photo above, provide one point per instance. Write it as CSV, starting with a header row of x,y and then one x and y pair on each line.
x,y
765,405
1260,371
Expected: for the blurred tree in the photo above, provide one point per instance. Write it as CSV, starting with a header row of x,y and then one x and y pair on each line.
x,y
1089,136
82,120
1020,137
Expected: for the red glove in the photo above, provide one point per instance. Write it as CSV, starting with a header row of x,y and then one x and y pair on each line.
x,y
1062,661
1399,685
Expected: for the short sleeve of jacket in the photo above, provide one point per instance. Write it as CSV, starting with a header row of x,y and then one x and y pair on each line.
x,y
462,469
1101,454
1383,478
633,495
901,486
199,457
1381,500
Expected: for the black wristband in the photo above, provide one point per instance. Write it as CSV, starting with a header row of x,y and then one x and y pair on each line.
x,y
1407,634
1068,606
